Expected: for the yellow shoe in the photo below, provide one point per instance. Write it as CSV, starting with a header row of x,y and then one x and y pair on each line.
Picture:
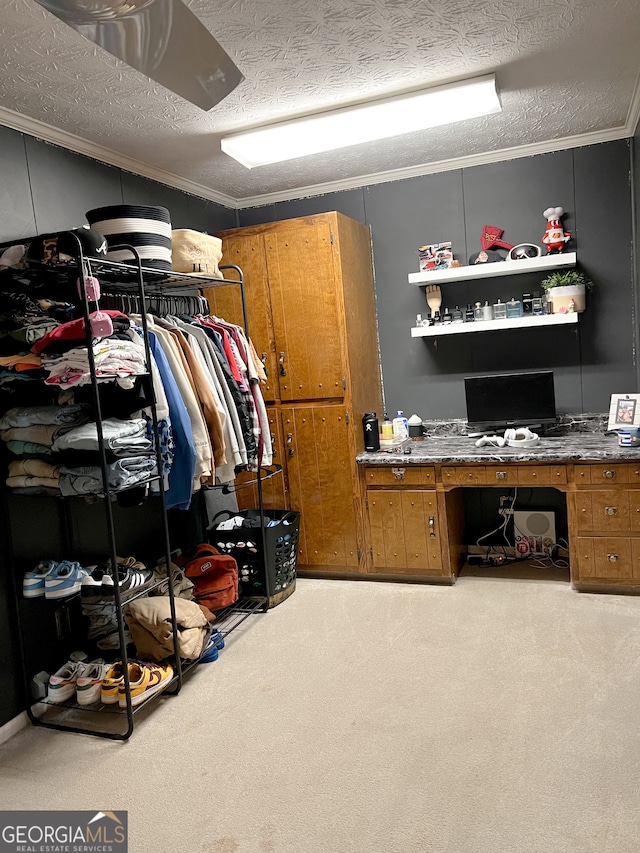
x,y
145,680
111,683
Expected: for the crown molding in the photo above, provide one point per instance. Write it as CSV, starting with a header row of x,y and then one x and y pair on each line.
x,y
41,130
498,156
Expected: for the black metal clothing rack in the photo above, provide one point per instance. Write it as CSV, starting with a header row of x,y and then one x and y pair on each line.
x,y
142,285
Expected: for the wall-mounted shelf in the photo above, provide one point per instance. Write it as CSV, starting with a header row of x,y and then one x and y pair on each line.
x,y
494,325
541,264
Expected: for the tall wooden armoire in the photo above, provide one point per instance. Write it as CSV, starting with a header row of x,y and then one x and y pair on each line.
x,y
311,308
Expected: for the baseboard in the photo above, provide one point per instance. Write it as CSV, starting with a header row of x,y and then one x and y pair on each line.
x,y
13,727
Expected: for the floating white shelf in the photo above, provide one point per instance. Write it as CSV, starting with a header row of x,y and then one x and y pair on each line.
x,y
541,264
494,325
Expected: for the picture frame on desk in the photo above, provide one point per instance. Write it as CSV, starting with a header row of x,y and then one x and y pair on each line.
x,y
624,411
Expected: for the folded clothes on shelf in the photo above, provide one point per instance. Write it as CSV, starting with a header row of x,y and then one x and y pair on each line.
x,y
125,438
124,473
26,416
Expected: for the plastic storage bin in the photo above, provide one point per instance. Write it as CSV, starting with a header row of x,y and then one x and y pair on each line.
x,y
245,544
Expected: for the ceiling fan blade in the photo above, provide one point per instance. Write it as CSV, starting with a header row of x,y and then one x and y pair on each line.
x,y
161,38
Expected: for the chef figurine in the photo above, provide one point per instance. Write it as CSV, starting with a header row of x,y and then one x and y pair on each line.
x,y
555,236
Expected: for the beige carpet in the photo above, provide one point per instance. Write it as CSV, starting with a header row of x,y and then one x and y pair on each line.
x,y
495,716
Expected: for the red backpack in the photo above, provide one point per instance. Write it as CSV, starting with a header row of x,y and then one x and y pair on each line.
x,y
214,575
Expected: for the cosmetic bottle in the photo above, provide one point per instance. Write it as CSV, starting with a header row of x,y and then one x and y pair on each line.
x,y
418,319
469,314
499,310
387,427
456,315
437,319
537,305
513,308
477,311
487,311
400,426
527,303
446,317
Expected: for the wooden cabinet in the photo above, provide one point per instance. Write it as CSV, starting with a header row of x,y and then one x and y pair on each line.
x,y
311,316
405,535
604,524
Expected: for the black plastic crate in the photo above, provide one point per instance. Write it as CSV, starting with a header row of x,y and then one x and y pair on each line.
x,y
245,545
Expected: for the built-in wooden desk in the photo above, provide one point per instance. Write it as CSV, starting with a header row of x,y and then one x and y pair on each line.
x,y
415,515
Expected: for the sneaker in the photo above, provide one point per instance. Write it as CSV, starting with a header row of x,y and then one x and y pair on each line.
x,y
130,582
64,580
33,585
62,684
89,681
145,680
216,642
111,682
91,587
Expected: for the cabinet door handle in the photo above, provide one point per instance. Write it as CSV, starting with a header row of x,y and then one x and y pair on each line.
x,y
290,443
609,474
432,527
611,510
501,475
274,451
263,359
283,372
398,473
613,558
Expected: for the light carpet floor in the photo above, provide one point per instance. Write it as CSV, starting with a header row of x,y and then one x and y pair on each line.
x,y
495,716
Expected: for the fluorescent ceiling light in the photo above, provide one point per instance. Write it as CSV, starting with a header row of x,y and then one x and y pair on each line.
x,y
364,122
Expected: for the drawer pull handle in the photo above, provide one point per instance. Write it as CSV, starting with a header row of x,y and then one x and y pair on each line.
x,y
290,443
501,475
432,527
611,510
263,359
398,473
283,371
608,474
613,558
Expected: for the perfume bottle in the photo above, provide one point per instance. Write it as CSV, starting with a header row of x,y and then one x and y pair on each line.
x,y
477,311
487,311
446,317
527,303
456,315
537,304
469,314
513,308
499,310
437,319
418,319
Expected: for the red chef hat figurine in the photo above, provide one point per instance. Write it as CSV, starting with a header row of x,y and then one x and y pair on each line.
x,y
555,237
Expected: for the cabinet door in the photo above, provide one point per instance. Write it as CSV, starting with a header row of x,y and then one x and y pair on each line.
x,y
404,532
322,480
275,493
247,252
307,311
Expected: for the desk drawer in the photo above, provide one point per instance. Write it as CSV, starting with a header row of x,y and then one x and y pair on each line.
x,y
607,559
414,475
541,475
608,511
607,475
462,475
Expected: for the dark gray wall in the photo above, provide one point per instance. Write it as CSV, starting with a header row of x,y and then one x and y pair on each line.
x,y
45,188
590,361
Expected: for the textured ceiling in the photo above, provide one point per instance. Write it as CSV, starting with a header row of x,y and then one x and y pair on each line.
x,y
565,69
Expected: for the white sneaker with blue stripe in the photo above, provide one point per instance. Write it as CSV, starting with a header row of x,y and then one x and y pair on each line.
x,y
64,580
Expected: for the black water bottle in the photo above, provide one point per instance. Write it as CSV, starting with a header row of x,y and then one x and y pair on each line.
x,y
370,429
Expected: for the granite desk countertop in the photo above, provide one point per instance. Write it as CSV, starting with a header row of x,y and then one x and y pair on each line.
x,y
461,450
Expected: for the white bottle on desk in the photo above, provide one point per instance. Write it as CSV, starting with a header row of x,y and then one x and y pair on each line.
x,y
400,426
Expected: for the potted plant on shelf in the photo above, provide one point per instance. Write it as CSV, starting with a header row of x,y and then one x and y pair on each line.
x,y
566,290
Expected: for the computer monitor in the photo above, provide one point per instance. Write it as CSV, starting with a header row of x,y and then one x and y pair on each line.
x,y
495,403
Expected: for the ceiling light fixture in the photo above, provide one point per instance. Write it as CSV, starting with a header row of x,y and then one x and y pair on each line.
x,y
364,122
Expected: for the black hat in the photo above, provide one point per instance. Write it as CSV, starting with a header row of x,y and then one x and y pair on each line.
x,y
62,246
